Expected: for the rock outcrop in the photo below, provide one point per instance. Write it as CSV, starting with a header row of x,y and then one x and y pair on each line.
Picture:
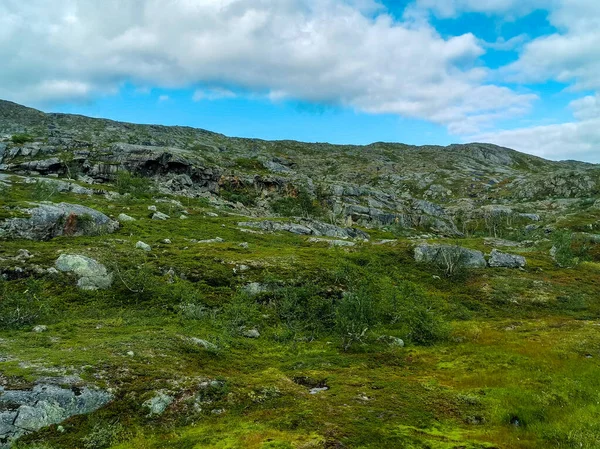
x,y
468,258
49,220
504,260
48,402
92,274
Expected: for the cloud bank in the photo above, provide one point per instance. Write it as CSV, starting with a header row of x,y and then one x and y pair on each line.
x,y
349,53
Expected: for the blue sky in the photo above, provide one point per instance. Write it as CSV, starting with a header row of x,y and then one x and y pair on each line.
x,y
522,74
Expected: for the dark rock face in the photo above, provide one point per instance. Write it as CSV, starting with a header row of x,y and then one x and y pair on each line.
x,y
47,221
25,411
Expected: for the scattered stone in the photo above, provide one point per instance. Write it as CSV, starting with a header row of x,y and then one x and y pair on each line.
x,y
152,208
130,353
158,404
254,288
124,218
318,390
332,243
166,241
215,240
392,341
504,260
244,245
40,328
143,246
251,333
92,274
183,217
212,214
160,216
205,344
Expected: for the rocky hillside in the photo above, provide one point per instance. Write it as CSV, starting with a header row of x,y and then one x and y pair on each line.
x,y
173,288
444,190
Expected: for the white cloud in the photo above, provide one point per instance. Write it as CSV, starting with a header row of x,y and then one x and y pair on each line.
x,y
216,93
578,140
347,52
571,55
575,140
163,98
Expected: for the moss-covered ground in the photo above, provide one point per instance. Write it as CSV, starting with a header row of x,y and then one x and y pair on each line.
x,y
498,358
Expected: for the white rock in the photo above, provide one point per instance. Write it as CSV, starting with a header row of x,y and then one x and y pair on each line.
x,y
143,246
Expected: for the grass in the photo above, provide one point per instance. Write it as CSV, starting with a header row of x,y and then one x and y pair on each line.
x,y
517,366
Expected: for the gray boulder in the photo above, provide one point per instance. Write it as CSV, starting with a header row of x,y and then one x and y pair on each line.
x,y
468,258
124,218
499,259
160,216
50,220
92,275
26,411
158,404
251,333
143,246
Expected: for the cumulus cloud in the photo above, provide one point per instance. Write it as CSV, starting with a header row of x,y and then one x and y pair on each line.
x,y
571,55
346,52
578,140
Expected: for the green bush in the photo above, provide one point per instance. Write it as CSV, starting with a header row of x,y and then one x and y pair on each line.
x,y
134,184
299,205
355,314
239,193
566,251
249,164
20,139
408,306
239,313
303,310
43,190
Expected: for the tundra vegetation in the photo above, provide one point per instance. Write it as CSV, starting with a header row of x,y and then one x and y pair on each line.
x,y
301,332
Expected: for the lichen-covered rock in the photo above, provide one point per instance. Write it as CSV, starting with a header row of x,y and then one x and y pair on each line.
x,y
468,258
26,411
124,218
143,246
92,274
499,259
49,220
158,403
160,216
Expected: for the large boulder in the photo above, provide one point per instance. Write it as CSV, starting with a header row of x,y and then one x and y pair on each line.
x,y
499,259
26,411
49,220
468,258
92,274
